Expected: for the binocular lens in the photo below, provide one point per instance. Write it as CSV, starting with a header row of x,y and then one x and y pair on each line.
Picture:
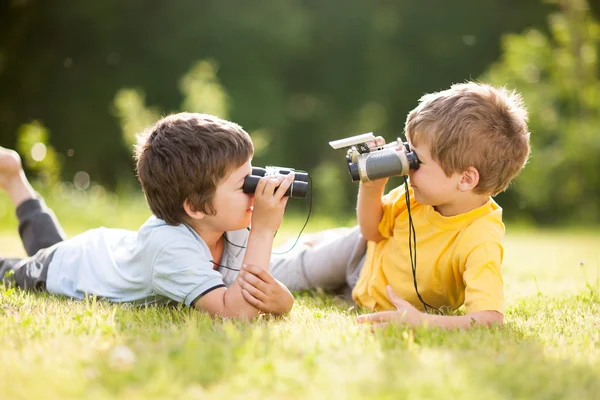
x,y
298,188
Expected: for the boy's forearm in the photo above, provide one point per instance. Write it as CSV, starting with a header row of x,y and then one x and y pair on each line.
x,y
259,247
229,303
369,210
288,299
482,318
236,306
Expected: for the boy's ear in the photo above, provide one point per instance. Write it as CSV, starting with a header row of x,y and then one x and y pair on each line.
x,y
191,210
469,179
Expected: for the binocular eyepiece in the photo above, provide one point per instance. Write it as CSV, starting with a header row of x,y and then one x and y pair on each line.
x,y
298,188
367,164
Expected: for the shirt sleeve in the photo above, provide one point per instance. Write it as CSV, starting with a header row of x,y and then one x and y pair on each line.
x,y
184,274
484,286
393,204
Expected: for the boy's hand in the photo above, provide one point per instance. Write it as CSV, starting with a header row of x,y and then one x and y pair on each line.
x,y
264,292
377,142
269,201
377,184
406,313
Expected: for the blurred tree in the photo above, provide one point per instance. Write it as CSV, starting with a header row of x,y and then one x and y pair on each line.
x,y
134,116
38,155
203,92
297,73
559,78
200,86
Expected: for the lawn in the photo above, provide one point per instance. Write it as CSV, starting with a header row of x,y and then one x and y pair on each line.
x,y
549,348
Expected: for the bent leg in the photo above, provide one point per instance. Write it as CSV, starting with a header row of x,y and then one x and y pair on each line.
x,y
38,226
26,273
7,266
329,263
12,177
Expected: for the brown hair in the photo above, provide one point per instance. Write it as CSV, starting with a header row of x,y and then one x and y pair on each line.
x,y
185,156
474,125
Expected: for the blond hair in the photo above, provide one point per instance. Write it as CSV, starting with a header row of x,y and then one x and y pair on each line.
x,y
473,125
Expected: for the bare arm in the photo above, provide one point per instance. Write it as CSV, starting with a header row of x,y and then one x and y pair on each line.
x,y
264,292
253,292
269,205
227,303
259,247
369,209
231,302
480,318
407,314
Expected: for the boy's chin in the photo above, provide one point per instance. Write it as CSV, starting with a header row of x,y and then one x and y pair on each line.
x,y
424,201
419,199
241,226
245,224
236,227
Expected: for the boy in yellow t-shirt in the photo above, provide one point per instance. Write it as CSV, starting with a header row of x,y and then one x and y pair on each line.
x,y
471,141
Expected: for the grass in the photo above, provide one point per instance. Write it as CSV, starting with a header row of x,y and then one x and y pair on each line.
x,y
56,348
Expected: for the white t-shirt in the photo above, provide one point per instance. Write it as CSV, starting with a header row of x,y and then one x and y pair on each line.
x,y
158,264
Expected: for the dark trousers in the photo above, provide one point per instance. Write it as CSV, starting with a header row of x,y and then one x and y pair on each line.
x,y
39,230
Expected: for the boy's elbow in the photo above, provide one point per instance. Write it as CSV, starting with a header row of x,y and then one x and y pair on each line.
x,y
245,314
371,235
498,319
219,304
246,311
490,318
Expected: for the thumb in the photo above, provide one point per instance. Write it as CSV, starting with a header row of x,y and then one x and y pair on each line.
x,y
396,301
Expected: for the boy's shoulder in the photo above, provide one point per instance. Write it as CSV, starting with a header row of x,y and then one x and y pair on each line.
x,y
486,227
157,226
157,234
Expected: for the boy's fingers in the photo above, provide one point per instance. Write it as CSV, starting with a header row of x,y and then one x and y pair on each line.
x,y
378,141
251,279
252,290
259,272
383,316
378,326
260,186
253,300
284,185
271,184
394,299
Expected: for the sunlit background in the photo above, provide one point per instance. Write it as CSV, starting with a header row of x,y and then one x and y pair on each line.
x,y
79,79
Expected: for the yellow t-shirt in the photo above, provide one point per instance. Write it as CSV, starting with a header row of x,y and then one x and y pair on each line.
x,y
459,258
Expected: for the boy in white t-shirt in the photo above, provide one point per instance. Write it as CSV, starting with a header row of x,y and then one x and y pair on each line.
x,y
192,168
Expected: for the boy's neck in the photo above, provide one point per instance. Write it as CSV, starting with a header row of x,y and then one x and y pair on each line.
x,y
461,205
212,238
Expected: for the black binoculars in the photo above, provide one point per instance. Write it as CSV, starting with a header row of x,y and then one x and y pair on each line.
x,y
298,188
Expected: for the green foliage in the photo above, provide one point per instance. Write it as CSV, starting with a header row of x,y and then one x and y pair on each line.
x,y
200,86
559,77
203,92
300,73
326,179
133,114
33,143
